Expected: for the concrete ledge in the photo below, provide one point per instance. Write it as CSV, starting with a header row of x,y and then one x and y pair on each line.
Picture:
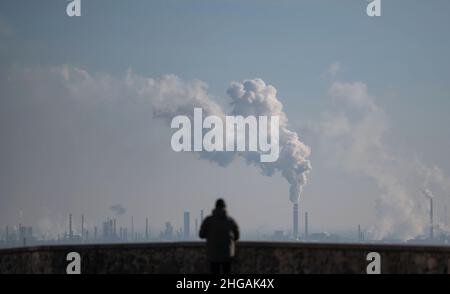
x,y
252,257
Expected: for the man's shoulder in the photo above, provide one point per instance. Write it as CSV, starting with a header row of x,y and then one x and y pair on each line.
x,y
231,220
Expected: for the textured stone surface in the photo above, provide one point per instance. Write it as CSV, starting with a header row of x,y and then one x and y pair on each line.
x,y
252,257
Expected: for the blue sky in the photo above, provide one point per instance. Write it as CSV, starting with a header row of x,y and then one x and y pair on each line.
x,y
401,56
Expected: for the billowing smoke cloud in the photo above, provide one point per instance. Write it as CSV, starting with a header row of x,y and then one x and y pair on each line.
x,y
118,209
172,97
255,97
352,135
365,152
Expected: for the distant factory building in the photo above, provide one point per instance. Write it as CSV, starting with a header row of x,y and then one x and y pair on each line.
x,y
186,233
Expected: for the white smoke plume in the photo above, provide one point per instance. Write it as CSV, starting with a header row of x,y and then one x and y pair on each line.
x,y
427,193
352,135
255,97
172,96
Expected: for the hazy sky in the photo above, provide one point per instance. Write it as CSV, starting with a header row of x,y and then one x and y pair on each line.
x,y
370,96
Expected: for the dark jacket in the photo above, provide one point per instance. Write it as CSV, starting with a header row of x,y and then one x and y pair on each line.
x,y
220,232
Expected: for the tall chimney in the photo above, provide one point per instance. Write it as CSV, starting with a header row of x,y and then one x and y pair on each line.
x,y
306,225
427,193
196,226
186,225
70,227
431,219
201,216
82,227
7,233
132,228
146,228
114,228
295,221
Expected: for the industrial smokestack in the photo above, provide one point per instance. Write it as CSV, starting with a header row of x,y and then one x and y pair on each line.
x,y
70,227
196,226
146,228
306,225
201,216
82,227
114,229
295,221
186,225
430,196
132,228
431,220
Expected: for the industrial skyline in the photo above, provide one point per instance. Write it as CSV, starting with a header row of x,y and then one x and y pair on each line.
x,y
111,231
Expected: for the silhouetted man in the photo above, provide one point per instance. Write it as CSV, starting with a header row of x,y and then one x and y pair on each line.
x,y
221,232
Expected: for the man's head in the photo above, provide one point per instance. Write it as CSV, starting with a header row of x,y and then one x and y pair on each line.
x,y
220,203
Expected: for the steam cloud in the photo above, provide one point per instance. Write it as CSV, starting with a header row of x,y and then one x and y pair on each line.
x,y
352,135
428,193
172,97
255,97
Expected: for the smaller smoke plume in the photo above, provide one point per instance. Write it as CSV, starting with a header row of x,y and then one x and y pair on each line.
x,y
353,136
118,209
428,193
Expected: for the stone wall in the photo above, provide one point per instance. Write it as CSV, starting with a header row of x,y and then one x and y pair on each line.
x,y
252,257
